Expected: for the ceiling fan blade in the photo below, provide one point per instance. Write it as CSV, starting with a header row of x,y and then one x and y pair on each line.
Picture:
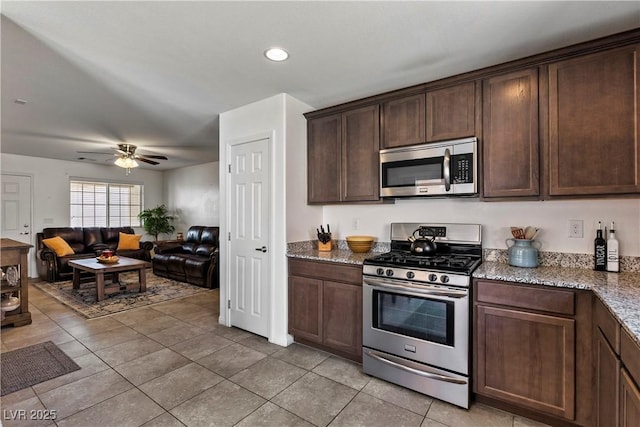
x,y
93,152
149,156
151,162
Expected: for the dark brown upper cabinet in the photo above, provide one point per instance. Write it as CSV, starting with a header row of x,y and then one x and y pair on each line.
x,y
510,135
593,124
403,121
343,156
324,141
451,112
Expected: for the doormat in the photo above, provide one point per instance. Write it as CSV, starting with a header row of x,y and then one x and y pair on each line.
x,y
83,300
32,365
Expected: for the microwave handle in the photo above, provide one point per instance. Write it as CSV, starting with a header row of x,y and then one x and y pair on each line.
x,y
447,170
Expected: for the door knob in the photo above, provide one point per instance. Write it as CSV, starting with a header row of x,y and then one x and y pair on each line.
x,y
262,249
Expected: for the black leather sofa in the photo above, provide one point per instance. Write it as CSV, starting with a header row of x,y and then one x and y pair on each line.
x,y
195,261
86,242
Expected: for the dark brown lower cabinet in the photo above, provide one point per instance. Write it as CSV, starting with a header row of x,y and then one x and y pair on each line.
x,y
617,365
533,351
607,383
325,306
527,358
629,401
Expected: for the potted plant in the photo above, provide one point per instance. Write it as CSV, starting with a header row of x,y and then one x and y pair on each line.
x,y
156,221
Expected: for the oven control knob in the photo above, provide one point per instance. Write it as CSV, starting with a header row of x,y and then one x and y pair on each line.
x,y
380,272
433,277
444,278
389,272
410,274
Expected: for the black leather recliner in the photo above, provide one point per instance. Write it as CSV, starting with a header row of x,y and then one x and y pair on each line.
x,y
195,261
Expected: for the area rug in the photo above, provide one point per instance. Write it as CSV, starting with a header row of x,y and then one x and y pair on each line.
x,y
32,365
83,300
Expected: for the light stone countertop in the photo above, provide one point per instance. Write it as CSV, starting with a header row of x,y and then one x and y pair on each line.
x,y
620,292
344,256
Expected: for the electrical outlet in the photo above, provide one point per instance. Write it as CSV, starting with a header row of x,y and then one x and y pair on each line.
x,y
576,228
356,223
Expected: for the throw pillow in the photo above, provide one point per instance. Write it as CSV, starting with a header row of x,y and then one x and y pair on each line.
x,y
128,241
58,245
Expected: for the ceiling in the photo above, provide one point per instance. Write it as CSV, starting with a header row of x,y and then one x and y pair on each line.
x,y
158,74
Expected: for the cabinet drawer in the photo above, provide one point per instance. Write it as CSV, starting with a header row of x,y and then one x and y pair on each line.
x,y
515,295
608,325
326,271
630,355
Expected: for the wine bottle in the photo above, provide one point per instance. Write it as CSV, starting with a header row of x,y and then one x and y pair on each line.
x,y
600,250
613,254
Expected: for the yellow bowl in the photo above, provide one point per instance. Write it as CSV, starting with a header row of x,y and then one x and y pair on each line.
x,y
360,244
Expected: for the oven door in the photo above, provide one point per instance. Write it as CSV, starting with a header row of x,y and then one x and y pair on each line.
x,y
425,323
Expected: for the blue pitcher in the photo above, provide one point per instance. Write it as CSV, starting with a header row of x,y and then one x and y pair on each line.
x,y
523,252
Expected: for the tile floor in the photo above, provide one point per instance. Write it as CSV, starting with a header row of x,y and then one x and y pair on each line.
x,y
172,364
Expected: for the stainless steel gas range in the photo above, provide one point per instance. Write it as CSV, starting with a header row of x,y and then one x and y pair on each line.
x,y
416,309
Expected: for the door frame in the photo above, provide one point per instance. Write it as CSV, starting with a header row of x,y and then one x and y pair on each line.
x,y
32,233
225,285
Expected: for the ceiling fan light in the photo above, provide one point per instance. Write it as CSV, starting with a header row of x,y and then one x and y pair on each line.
x,y
126,162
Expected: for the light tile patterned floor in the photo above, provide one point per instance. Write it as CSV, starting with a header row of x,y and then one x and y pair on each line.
x,y
172,364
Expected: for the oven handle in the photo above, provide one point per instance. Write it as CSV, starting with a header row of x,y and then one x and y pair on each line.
x,y
416,289
431,375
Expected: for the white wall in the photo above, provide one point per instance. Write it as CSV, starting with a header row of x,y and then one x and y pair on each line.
x,y
50,181
300,216
496,218
275,116
192,194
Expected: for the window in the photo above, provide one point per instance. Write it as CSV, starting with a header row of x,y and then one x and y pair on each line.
x,y
104,204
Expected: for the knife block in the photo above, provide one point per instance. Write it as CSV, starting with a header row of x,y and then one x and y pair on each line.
x,y
325,247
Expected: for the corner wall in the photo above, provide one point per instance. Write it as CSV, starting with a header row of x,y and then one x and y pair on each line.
x,y
281,117
192,194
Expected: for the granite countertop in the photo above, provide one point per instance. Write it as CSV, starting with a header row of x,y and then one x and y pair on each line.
x,y
620,292
344,256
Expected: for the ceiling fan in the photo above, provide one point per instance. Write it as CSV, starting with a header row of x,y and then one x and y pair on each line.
x,y
128,151
127,158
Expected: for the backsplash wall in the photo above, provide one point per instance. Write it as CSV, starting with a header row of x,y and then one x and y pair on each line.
x,y
552,217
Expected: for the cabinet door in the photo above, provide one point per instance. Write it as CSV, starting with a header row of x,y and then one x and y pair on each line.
x,y
607,383
593,124
323,159
403,121
451,112
527,359
342,317
305,308
629,401
510,135
360,154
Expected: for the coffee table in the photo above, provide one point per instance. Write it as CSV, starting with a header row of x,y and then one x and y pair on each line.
x,y
99,269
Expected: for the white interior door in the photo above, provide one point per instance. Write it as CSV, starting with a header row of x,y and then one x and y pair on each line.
x,y
249,256
16,208
15,211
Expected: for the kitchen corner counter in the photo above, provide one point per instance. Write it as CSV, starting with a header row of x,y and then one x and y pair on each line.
x,y
620,292
344,256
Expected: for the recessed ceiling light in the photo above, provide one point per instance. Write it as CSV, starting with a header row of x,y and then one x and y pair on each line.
x,y
276,54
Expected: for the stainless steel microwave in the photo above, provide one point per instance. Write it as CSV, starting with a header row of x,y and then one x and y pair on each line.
x,y
436,169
